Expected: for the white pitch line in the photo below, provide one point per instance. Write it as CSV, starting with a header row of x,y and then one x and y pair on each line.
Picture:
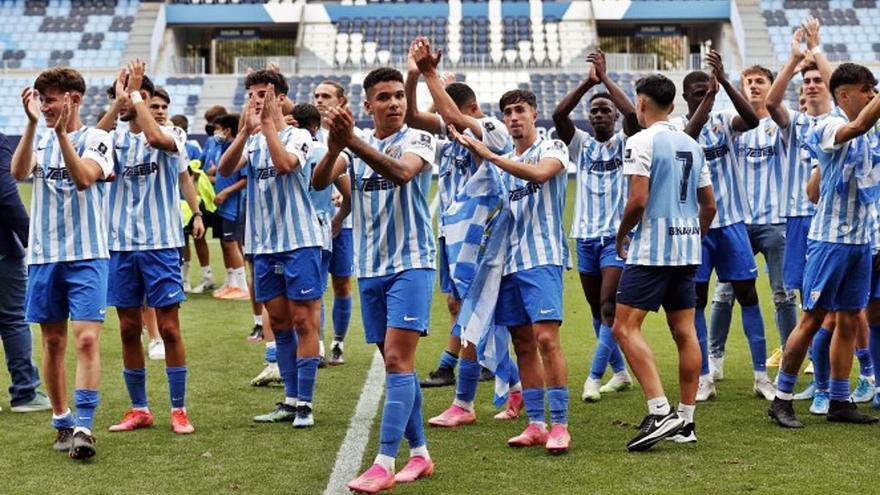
x,y
351,452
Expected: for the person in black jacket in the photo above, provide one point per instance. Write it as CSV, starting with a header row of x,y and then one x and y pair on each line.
x,y
15,333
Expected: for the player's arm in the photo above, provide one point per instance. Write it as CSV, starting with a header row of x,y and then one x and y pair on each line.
x,y
192,199
639,192
83,171
701,115
618,97
565,127
811,29
23,160
813,185
425,121
144,119
343,185
861,124
233,158
284,161
546,168
708,209
108,120
220,197
746,117
775,96
427,62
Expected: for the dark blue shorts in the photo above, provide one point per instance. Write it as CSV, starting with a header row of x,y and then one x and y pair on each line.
x,y
795,257
294,274
649,287
342,259
74,289
151,276
596,254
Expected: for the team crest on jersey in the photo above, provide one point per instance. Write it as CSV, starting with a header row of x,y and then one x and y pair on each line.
x,y
393,151
770,129
559,145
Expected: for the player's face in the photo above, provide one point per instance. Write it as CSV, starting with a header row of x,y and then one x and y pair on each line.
x,y
159,110
257,92
51,103
694,94
756,86
127,112
386,102
852,98
815,90
603,115
520,118
326,97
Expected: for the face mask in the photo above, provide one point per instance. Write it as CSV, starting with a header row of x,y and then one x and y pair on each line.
x,y
220,138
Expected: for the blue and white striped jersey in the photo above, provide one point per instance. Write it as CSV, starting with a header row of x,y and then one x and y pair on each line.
x,y
669,232
321,135
840,216
67,224
392,224
143,204
322,200
719,148
763,152
798,167
280,215
538,236
601,188
457,164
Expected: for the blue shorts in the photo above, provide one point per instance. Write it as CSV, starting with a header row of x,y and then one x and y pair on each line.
x,y
728,251
837,277
596,254
794,259
342,260
649,287
530,296
875,282
326,257
400,300
295,274
138,276
74,289
446,284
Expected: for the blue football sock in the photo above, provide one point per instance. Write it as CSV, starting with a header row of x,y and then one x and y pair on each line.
x,y
597,323
341,317
753,324
558,399
136,384
286,343
177,385
702,335
307,373
468,377
448,361
399,397
86,401
606,347
534,402
785,382
866,367
821,350
271,353
874,349
63,422
415,426
615,359
839,389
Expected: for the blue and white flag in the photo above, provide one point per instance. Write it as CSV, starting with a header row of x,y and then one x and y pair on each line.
x,y
477,227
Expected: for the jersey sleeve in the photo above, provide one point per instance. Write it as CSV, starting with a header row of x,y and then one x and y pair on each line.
x,y
637,155
577,142
299,144
422,144
181,156
495,135
99,147
705,179
825,134
556,149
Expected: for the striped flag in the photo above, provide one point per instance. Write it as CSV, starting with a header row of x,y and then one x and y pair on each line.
x,y
477,228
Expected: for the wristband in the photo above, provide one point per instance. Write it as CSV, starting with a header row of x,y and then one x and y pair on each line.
x,y
136,97
816,50
197,213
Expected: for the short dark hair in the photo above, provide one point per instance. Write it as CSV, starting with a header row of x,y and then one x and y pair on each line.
x,y
63,79
601,94
658,88
382,74
161,93
517,96
850,73
307,115
227,121
214,112
146,85
758,69
461,93
180,121
694,77
807,67
266,76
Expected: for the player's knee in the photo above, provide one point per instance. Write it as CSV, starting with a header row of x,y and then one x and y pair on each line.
x,y
548,342
607,311
54,344
394,362
87,343
341,286
453,305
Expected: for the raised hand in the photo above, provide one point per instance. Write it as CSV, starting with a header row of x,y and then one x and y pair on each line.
x,y
411,66
270,106
119,85
341,124
136,70
796,39
474,146
249,120
713,58
31,103
64,117
426,61
598,66
811,29
447,78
